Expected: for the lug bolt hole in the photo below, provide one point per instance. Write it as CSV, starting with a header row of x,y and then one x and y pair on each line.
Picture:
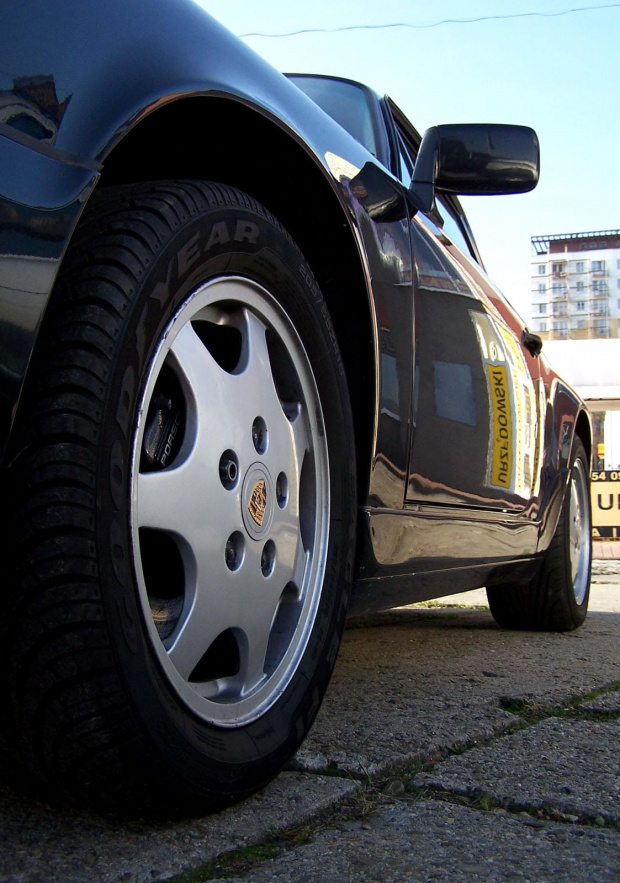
x,y
234,551
229,470
282,490
259,435
268,558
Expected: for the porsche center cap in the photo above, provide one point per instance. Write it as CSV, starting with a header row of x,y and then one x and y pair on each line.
x,y
257,501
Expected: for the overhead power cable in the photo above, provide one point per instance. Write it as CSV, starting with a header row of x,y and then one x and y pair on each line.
x,y
435,24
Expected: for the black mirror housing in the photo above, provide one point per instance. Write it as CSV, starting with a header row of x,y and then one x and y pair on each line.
x,y
473,160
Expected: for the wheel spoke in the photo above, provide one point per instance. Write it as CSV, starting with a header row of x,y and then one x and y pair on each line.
x,y
162,501
211,392
287,453
257,640
258,390
222,600
302,559
184,500
201,627
291,560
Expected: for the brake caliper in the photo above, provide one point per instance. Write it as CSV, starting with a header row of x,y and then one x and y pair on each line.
x,y
163,433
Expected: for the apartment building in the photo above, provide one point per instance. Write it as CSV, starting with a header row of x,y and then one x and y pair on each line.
x,y
575,285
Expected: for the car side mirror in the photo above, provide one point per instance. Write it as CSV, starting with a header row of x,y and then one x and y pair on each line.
x,y
473,160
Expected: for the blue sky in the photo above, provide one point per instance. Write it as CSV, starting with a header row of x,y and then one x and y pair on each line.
x,y
558,74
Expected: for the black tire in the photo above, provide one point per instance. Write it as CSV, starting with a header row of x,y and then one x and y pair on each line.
x,y
182,499
556,600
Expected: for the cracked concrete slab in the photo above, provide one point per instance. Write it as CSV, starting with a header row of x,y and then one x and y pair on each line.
x,y
563,765
415,681
431,841
40,843
607,703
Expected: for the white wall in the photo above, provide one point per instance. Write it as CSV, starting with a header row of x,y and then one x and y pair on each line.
x,y
612,440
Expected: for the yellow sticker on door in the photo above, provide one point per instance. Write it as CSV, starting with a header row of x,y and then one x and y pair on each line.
x,y
502,454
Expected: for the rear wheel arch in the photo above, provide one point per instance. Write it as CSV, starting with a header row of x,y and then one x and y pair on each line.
x,y
583,431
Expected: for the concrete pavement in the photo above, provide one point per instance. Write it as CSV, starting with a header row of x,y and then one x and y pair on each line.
x,y
447,749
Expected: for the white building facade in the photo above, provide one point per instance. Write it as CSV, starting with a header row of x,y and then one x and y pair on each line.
x,y
575,285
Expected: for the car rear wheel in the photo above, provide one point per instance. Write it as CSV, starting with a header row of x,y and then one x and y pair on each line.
x,y
184,498
557,599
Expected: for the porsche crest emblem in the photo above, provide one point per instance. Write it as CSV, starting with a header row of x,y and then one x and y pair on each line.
x,y
258,502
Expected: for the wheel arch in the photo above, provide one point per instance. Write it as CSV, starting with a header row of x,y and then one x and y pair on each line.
x,y
220,139
583,430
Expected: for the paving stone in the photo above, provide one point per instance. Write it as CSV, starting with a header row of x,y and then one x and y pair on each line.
x,y
568,766
415,681
38,843
431,841
608,703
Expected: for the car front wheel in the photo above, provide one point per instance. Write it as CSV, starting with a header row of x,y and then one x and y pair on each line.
x,y
184,500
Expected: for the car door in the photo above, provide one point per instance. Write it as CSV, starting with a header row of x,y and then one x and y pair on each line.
x,y
475,438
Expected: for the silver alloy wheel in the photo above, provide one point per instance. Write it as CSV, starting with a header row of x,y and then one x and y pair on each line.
x,y
580,533
230,501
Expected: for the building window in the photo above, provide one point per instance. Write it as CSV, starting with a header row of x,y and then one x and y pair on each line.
x,y
579,324
598,266
618,282
618,264
581,305
542,269
560,326
581,286
542,288
542,308
579,267
542,326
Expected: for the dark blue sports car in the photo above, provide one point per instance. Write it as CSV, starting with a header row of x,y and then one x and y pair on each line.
x,y
252,376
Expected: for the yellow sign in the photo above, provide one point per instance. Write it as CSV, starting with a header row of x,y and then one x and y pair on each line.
x,y
503,454
606,503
